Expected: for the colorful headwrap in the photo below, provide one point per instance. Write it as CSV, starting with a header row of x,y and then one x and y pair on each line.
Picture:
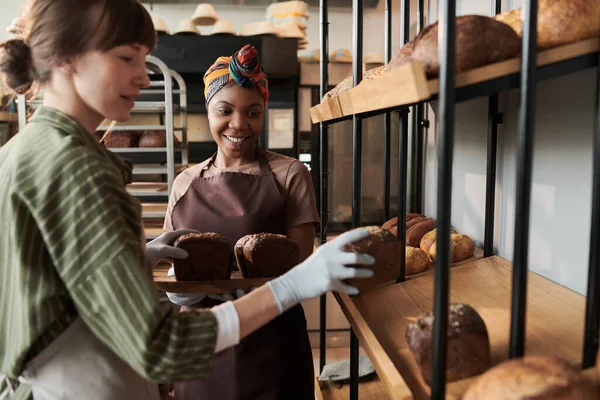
x,y
243,67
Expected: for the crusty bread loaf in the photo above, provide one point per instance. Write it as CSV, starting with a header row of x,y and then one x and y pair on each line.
x,y
559,21
416,260
394,221
429,238
480,40
238,251
266,255
403,56
461,247
469,351
121,139
209,257
155,138
415,233
346,84
385,248
532,377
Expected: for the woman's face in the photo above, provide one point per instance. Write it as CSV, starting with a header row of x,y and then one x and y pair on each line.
x,y
109,82
236,116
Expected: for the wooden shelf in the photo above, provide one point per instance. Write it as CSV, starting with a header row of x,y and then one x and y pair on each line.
x,y
555,319
154,210
8,116
169,284
407,84
369,388
148,189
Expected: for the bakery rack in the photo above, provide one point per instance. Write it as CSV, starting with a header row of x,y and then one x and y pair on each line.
x,y
520,308
166,96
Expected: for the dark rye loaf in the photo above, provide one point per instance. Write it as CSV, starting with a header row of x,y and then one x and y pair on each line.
x,y
209,257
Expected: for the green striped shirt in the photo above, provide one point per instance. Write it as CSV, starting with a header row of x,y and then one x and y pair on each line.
x,y
71,245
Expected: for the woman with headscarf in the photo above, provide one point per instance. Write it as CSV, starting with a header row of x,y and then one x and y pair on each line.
x,y
243,190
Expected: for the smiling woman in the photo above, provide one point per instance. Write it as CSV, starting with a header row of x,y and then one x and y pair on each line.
x,y
245,190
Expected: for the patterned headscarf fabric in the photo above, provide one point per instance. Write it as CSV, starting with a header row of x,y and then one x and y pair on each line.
x,y
243,68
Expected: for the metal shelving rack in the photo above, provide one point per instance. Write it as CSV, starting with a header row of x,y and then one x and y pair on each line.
x,y
383,342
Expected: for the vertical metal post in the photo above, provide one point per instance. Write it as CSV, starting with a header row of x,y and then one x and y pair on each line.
x,y
524,170
447,40
387,122
323,160
403,152
490,182
418,145
592,307
357,8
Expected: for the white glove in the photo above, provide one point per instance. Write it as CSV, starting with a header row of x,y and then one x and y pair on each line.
x,y
161,248
323,271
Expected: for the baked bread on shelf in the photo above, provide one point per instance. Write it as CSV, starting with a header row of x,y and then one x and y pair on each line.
x,y
403,56
385,248
429,238
469,352
559,22
532,377
394,221
209,257
155,138
480,40
266,255
461,247
415,233
121,139
416,260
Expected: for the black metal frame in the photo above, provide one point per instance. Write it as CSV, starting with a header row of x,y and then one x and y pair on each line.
x,y
526,79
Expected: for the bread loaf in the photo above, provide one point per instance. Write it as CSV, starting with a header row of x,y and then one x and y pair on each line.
x,y
266,255
415,233
209,257
469,351
155,138
341,87
480,41
532,377
121,139
461,248
385,248
403,56
429,238
416,260
394,221
559,21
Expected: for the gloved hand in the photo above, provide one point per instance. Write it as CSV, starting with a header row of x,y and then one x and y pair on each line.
x,y
161,248
323,271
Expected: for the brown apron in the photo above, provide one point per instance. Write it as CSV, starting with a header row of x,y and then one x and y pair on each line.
x,y
275,362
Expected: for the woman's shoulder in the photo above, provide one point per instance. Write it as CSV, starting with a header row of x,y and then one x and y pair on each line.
x,y
280,162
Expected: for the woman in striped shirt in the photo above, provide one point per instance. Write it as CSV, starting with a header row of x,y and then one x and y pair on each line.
x,y
79,317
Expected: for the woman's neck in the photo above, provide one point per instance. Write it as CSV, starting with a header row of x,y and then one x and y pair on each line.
x,y
223,161
65,99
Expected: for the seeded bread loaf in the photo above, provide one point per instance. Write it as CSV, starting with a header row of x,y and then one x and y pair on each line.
x,y
461,247
266,255
533,377
384,247
416,260
209,257
469,351
480,40
559,21
429,238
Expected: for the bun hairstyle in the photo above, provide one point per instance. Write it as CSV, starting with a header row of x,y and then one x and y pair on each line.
x,y
58,30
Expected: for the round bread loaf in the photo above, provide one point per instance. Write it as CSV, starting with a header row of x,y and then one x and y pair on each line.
x,y
559,21
209,257
155,138
415,233
403,56
416,260
394,221
532,378
429,238
461,247
268,255
385,248
121,139
469,351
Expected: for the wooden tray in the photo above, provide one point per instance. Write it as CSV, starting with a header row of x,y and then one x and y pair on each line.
x,y
555,320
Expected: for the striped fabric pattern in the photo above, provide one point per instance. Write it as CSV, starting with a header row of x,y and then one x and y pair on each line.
x,y
71,245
